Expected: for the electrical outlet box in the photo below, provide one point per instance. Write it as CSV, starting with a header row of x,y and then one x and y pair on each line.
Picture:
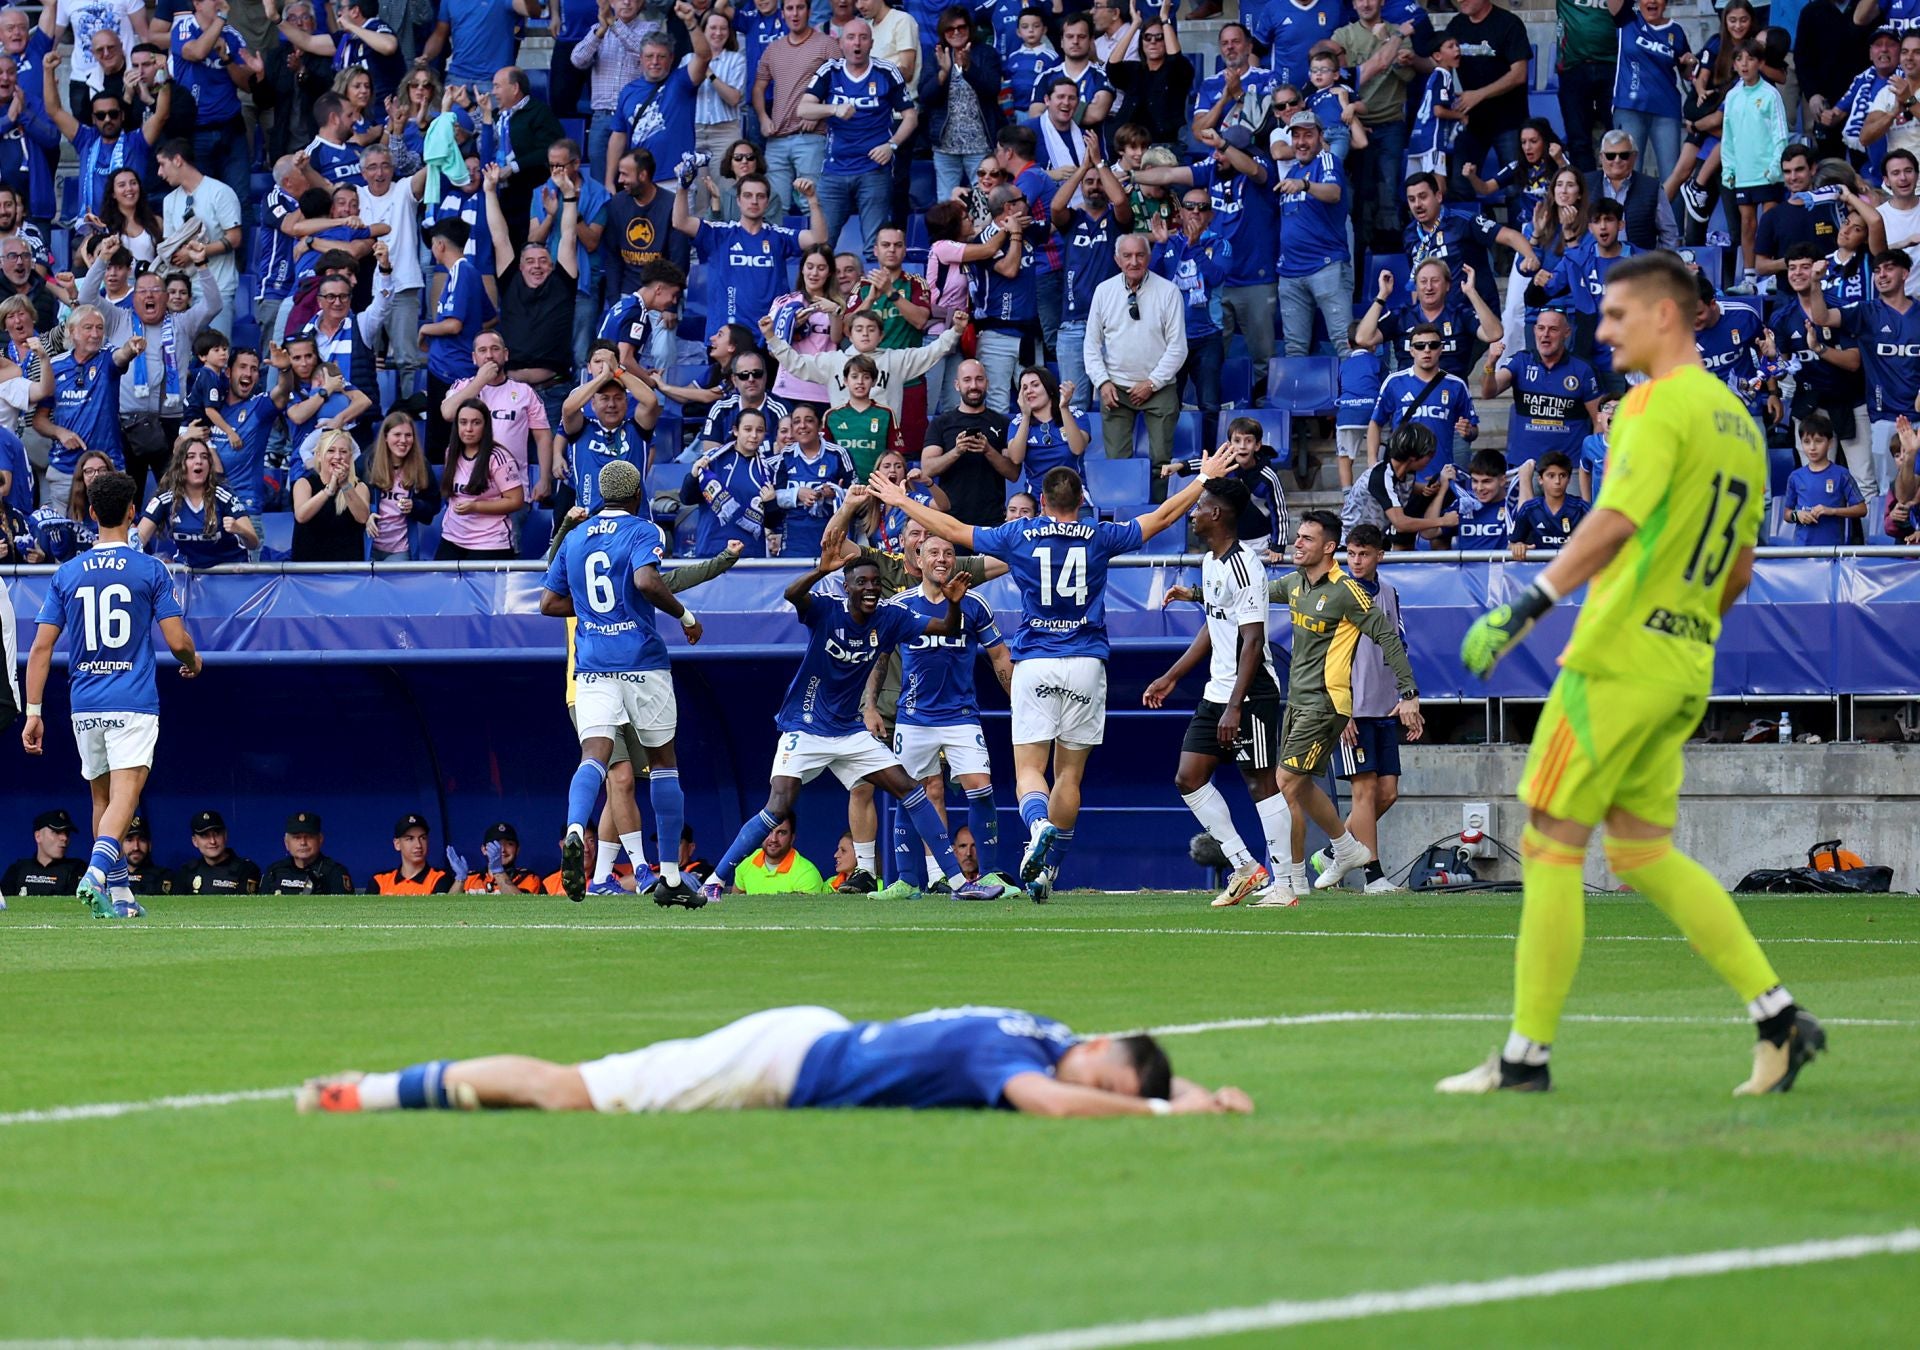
x,y
1478,817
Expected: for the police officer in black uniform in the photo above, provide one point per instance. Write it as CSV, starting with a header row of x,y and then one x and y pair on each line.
x,y
218,870
49,871
136,850
306,870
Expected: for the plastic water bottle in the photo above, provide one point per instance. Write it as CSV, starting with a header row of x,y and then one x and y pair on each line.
x,y
1786,728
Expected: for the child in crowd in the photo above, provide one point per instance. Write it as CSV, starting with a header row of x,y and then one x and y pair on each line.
x,y
1437,124
1333,103
1023,65
1822,499
1593,450
1361,371
1547,521
1753,132
209,383
858,425
1489,503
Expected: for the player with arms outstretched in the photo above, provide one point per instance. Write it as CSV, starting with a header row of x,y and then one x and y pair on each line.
x,y
1059,563
813,1057
819,721
622,676
109,598
1668,548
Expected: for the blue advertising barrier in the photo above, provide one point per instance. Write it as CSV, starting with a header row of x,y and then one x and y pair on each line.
x,y
367,695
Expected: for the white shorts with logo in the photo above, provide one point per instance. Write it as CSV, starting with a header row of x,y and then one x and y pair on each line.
x,y
920,748
1351,443
802,755
641,699
751,1064
115,740
1060,698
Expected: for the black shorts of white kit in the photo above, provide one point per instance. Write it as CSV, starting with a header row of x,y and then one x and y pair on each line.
x,y
1376,749
1256,747
1759,195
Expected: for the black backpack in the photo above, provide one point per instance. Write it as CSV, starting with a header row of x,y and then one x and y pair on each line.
x,y
1841,876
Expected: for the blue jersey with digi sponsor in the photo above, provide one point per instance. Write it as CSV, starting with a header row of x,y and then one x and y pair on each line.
x,y
214,91
875,96
1247,214
86,401
1060,567
614,628
1199,267
1890,350
243,456
57,537
1538,525
1401,400
746,271
337,163
1020,72
1484,525
1091,82
936,673
1726,344
276,249
1830,487
596,447
1647,79
1256,93
108,599
1292,29
805,526
1360,374
1089,261
1313,233
948,1057
824,698
183,532
1549,405
1048,449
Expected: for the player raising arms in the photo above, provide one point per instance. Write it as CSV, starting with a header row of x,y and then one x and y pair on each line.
x,y
1239,711
109,597
813,1057
819,721
621,668
1331,613
1059,562
1668,548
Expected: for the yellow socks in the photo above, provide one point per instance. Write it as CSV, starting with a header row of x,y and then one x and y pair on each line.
x,y
1552,928
1701,909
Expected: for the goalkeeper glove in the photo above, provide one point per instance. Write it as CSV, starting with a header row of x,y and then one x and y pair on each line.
x,y
1499,629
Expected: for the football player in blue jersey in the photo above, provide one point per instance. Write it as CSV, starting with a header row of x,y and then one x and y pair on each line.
x,y
813,1057
937,717
819,721
613,563
1059,563
109,599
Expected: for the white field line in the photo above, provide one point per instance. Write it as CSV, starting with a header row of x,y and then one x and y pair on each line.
x,y
1272,1316
666,930
108,1110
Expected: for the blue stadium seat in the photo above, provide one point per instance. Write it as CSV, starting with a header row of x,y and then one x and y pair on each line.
x,y
429,542
1169,542
1119,482
1709,260
922,185
1236,382
1303,384
541,82
69,198
276,530
536,532
1395,263
686,533
575,129
1781,462
1090,423
1187,436
1545,104
665,477
246,334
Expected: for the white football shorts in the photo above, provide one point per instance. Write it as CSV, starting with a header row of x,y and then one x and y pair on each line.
x,y
1061,699
751,1064
920,748
802,755
641,699
115,740
1351,443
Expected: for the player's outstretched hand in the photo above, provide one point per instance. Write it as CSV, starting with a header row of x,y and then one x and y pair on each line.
x,y
1156,695
1218,464
33,736
888,491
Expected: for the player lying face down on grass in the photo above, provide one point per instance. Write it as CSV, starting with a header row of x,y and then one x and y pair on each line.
x,y
813,1057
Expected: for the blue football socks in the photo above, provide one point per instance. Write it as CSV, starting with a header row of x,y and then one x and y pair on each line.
x,y
751,836
584,791
927,821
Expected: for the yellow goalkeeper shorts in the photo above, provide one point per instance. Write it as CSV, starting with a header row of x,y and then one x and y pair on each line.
x,y
1603,743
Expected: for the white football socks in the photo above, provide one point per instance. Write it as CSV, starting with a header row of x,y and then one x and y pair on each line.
x,y
866,856
1210,809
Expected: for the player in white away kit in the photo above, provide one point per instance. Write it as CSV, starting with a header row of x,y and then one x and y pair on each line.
x,y
1239,713
939,713
1059,562
819,721
621,669
109,598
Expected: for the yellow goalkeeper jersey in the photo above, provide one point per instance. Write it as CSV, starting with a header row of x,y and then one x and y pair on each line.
x,y
1687,465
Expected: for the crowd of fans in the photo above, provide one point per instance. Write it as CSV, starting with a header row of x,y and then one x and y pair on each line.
x,y
357,268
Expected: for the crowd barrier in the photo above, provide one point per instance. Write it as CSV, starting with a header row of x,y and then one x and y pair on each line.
x,y
365,694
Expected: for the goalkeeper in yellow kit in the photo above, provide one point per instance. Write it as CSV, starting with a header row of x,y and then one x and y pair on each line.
x,y
1667,549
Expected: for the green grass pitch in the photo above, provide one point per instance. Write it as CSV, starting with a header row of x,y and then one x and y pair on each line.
x,y
868,1228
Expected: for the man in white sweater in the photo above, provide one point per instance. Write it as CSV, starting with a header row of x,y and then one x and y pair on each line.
x,y
1136,344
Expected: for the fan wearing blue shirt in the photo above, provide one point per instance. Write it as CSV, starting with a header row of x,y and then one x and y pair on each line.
x,y
1556,395
1459,237
243,420
1087,234
1581,277
1361,371
1291,29
803,1058
1887,326
656,108
1059,565
1315,269
1238,93
106,143
859,98
1549,520
819,720
606,577
1485,506
1822,500
211,61
625,410
464,308
84,413
482,38
1436,302
1426,394
107,601
747,260
1653,58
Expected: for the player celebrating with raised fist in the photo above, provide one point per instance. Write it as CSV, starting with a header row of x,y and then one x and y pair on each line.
x,y
109,598
1668,548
